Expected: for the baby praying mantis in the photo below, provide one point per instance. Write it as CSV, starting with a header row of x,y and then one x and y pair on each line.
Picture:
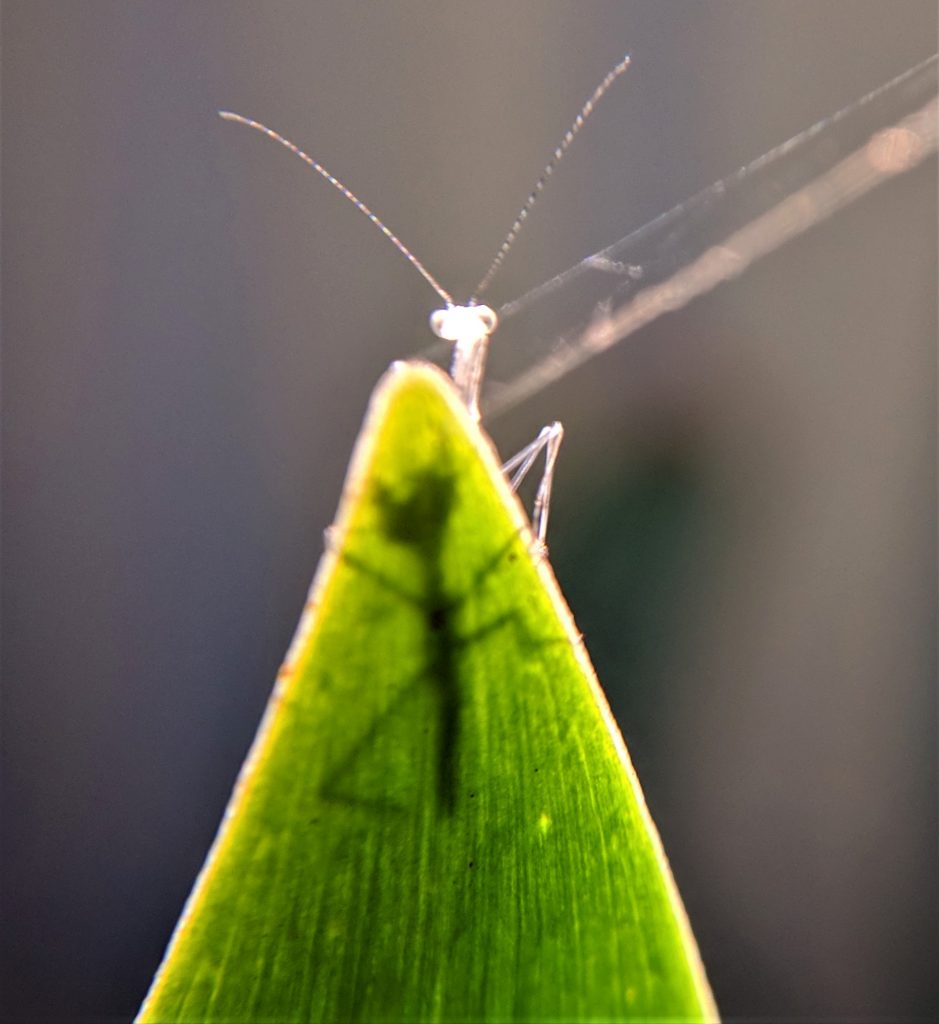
x,y
469,325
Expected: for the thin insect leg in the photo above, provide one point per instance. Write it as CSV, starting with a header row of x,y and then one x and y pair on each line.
x,y
543,496
521,462
548,440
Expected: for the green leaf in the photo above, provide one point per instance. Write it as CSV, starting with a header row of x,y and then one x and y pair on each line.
x,y
438,819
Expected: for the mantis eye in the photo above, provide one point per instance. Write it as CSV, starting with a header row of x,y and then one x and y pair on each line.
x,y
458,323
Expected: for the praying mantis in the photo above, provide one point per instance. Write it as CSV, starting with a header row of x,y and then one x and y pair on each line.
x,y
469,325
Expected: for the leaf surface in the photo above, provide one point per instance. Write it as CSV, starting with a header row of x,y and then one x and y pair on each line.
x,y
438,819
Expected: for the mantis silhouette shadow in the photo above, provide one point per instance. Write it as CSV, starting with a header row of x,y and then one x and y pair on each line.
x,y
418,520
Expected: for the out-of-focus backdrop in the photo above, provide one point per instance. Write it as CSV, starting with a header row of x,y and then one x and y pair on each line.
x,y
745,503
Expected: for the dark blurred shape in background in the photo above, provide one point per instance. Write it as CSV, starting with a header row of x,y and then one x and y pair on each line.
x,y
744,520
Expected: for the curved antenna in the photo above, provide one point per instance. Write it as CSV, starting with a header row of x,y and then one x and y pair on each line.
x,y
516,227
227,115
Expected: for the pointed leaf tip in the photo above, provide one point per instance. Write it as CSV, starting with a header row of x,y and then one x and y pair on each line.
x,y
438,819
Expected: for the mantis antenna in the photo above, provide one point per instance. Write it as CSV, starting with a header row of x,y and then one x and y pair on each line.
x,y
227,115
470,325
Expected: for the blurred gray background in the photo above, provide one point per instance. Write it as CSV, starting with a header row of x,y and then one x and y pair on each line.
x,y
744,520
